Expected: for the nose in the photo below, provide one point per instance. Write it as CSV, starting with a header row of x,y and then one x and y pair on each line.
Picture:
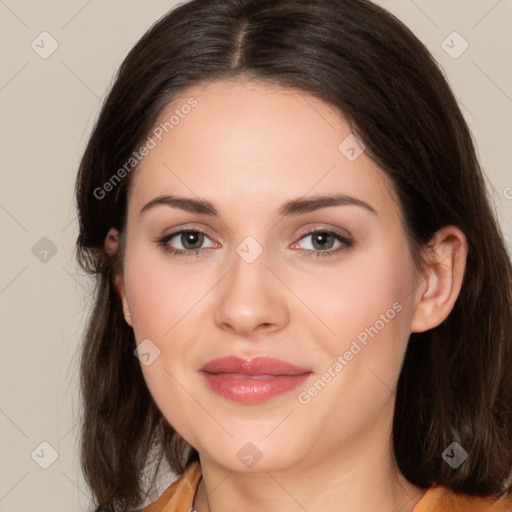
x,y
251,299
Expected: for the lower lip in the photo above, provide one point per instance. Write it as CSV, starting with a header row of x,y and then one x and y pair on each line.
x,y
251,390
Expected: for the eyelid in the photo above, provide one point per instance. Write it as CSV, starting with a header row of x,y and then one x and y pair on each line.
x,y
327,228
175,230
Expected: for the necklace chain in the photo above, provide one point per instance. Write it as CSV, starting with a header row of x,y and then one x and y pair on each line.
x,y
206,494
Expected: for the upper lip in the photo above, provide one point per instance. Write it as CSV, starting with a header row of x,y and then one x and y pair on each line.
x,y
252,366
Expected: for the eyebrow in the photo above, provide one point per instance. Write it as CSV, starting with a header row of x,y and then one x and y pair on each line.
x,y
294,207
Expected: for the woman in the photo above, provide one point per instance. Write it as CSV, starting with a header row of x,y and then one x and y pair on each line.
x,y
304,299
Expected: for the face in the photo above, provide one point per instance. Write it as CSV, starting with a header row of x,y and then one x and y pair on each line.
x,y
265,271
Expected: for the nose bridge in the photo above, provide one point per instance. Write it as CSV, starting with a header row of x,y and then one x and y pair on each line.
x,y
250,264
250,295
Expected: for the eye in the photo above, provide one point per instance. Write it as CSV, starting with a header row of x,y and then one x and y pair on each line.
x,y
191,241
322,243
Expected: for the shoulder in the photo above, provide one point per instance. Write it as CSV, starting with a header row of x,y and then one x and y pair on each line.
x,y
442,499
179,496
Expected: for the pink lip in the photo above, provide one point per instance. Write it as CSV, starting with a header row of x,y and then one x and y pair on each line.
x,y
241,379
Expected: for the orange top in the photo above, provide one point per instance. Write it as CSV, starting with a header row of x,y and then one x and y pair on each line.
x,y
179,497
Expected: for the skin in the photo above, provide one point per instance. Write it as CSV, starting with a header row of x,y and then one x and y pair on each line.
x,y
248,148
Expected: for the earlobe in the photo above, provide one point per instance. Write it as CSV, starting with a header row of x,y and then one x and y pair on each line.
x,y
442,281
122,295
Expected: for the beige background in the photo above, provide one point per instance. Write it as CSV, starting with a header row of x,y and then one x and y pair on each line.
x,y
48,107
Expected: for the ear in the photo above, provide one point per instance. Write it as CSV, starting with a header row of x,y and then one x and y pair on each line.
x,y
442,279
111,245
122,294
111,241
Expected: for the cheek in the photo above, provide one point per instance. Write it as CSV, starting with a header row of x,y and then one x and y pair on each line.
x,y
160,294
356,295
367,307
161,300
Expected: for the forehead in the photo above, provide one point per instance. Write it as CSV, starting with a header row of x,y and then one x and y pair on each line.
x,y
252,144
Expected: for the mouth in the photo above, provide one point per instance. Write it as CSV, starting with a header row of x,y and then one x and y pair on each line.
x,y
252,381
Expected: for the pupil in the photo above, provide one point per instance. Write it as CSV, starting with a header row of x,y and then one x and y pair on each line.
x,y
191,239
322,239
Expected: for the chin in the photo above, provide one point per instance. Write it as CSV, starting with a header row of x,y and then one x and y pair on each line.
x,y
252,457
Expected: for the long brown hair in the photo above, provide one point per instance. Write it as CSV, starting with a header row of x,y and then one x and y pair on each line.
x,y
456,380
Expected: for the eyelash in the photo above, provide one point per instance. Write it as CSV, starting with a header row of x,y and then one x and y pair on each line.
x,y
345,244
